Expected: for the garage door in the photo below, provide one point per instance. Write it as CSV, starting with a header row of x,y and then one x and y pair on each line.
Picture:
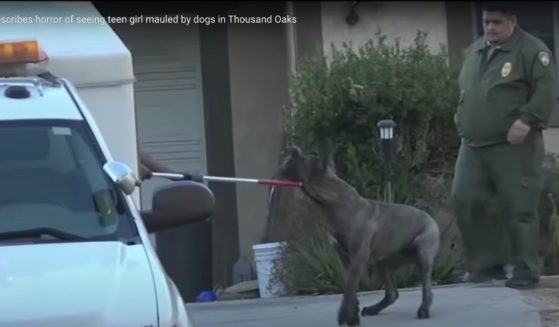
x,y
170,126
168,95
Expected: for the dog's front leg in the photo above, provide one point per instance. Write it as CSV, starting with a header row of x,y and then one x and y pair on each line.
x,y
390,291
349,309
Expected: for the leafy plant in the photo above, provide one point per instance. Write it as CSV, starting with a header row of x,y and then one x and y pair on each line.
x,y
344,99
549,218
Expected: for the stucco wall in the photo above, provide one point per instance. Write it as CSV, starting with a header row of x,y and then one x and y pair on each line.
x,y
258,78
400,19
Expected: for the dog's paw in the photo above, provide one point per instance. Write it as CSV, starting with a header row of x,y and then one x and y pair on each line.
x,y
349,316
353,320
342,316
423,313
372,310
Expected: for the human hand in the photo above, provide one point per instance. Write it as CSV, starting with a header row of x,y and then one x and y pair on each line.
x,y
518,131
145,173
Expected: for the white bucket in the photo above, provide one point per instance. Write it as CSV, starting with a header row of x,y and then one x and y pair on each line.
x,y
264,257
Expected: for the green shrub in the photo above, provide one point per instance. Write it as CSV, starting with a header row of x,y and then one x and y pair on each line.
x,y
344,99
549,219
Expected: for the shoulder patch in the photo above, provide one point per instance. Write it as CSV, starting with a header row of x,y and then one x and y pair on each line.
x,y
543,56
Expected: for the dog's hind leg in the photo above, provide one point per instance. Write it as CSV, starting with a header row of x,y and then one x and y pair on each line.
x,y
390,291
427,248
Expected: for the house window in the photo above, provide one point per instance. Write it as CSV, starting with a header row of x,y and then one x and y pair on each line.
x,y
536,18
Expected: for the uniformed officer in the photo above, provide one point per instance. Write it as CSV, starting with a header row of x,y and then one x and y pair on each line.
x,y
507,93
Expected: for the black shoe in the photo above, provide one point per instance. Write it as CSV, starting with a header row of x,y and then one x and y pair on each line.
x,y
522,283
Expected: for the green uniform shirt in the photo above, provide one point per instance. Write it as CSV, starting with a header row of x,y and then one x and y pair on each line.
x,y
516,81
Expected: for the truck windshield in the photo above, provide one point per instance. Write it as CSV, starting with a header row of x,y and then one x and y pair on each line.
x,y
52,179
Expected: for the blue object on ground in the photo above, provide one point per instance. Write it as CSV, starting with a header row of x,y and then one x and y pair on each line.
x,y
207,296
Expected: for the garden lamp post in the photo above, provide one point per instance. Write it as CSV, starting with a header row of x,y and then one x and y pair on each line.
x,y
386,131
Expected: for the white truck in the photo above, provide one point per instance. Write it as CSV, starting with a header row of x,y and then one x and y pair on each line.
x,y
74,247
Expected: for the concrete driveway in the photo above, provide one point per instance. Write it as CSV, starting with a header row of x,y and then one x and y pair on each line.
x,y
486,305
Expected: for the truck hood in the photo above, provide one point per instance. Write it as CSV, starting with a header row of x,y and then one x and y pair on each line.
x,y
76,284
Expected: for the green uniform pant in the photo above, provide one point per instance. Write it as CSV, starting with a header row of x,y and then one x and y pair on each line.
x,y
508,178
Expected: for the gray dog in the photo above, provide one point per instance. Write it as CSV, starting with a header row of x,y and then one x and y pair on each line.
x,y
374,233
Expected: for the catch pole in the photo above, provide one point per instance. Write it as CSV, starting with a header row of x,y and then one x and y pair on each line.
x,y
269,182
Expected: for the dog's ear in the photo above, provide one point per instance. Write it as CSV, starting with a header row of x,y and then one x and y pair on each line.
x,y
295,151
327,150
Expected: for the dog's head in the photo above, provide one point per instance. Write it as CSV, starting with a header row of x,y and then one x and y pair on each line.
x,y
317,174
320,181
305,168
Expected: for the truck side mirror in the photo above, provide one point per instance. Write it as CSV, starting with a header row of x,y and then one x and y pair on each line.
x,y
122,175
178,203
